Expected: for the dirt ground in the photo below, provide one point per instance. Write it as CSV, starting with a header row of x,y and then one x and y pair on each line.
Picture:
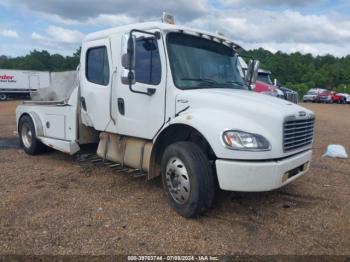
x,y
51,204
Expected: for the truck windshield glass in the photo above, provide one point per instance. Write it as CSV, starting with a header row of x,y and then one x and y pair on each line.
x,y
265,78
197,62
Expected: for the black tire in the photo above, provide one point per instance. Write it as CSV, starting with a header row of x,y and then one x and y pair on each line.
x,y
200,175
34,146
3,97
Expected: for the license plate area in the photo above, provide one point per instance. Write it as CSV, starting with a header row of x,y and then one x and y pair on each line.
x,y
295,171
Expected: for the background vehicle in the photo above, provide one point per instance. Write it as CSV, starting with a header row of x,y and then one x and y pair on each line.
x,y
265,85
20,83
289,94
165,100
339,98
345,97
312,95
332,97
325,97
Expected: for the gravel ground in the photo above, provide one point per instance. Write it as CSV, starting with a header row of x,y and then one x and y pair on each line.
x,y
51,204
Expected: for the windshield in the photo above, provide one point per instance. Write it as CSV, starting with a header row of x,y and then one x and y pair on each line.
x,y
311,93
264,78
197,62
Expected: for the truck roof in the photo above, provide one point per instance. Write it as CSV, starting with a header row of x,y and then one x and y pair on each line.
x,y
160,26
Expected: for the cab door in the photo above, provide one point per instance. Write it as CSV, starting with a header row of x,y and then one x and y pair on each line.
x,y
137,114
95,81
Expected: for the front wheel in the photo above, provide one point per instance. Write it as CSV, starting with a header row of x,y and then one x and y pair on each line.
x,y
188,180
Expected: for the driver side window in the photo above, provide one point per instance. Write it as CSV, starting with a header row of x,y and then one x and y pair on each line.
x,y
147,64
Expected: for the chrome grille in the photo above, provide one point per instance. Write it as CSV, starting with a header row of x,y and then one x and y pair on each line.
x,y
297,133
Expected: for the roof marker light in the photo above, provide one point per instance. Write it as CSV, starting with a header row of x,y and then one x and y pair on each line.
x,y
168,18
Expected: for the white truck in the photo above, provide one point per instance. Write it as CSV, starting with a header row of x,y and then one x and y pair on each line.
x,y
169,101
21,83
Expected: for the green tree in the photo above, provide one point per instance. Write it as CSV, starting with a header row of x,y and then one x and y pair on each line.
x,y
42,61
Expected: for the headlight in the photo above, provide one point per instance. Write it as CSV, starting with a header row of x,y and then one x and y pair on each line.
x,y
240,140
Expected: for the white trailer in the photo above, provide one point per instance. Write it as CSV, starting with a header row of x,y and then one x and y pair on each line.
x,y
169,101
20,83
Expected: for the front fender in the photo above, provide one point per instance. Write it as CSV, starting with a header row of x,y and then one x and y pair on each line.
x,y
211,123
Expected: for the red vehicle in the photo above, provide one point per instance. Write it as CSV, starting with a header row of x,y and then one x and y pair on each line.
x,y
331,97
264,83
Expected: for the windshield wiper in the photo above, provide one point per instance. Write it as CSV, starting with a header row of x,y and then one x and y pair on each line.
x,y
210,83
235,83
205,80
204,83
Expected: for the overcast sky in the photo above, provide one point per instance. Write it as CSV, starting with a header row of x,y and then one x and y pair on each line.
x,y
309,26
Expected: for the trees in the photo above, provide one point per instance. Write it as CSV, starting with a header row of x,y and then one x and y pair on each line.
x,y
302,72
42,61
296,70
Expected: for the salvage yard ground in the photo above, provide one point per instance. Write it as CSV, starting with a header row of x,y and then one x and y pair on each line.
x,y
52,204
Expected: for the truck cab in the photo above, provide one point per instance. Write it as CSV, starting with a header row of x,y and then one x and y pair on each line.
x,y
169,101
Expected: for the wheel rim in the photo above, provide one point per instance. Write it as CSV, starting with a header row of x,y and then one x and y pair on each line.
x,y
27,136
177,180
3,97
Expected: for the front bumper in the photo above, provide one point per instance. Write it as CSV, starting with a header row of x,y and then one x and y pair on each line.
x,y
309,98
255,176
325,99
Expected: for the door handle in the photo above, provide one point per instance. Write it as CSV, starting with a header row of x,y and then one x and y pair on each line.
x,y
121,106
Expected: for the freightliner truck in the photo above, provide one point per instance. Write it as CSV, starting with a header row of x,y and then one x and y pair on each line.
x,y
169,100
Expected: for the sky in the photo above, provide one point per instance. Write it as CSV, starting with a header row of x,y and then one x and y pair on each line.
x,y
318,27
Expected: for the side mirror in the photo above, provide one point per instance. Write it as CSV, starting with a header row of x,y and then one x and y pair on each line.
x,y
128,59
252,72
128,76
128,52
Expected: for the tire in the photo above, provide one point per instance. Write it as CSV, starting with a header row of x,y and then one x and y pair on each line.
x,y
185,163
3,97
30,144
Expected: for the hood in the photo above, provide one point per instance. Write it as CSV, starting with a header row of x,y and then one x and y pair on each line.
x,y
243,102
211,111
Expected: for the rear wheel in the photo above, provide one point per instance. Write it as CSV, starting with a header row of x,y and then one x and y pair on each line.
x,y
28,140
3,97
188,179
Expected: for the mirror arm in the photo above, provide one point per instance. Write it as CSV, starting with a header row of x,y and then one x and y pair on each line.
x,y
250,82
131,76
